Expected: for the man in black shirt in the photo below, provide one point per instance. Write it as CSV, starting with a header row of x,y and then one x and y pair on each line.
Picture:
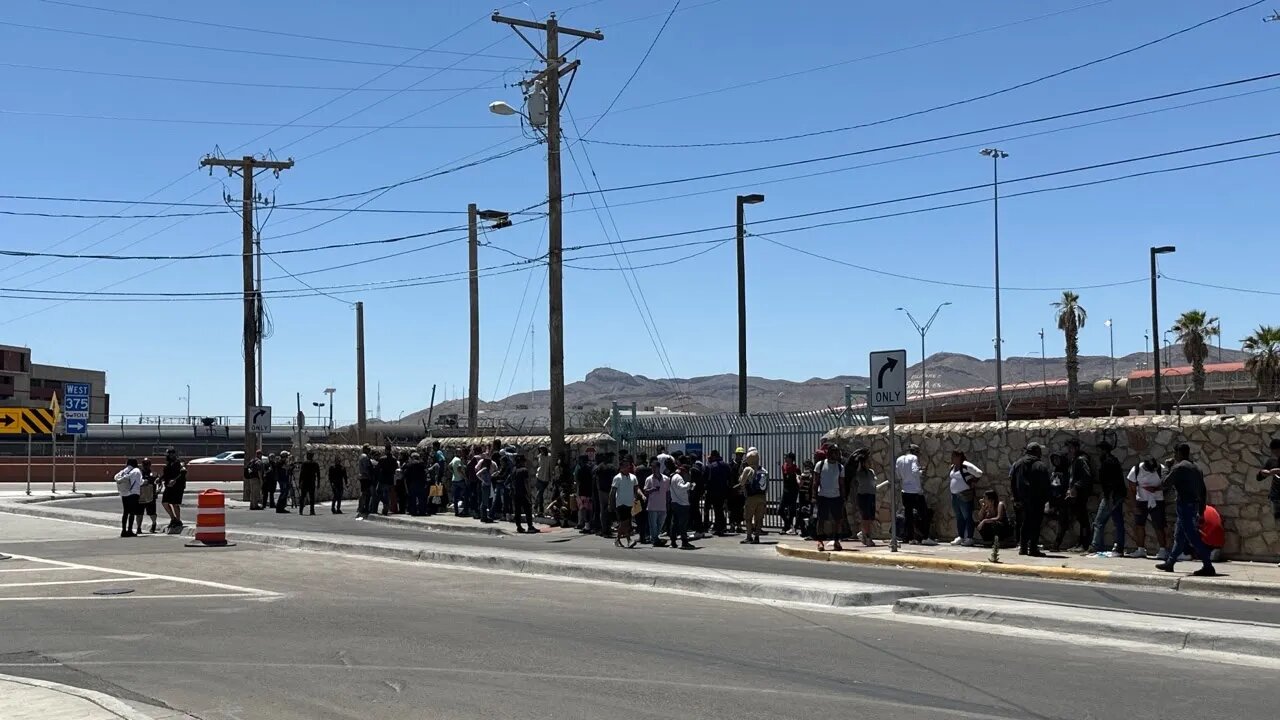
x,y
1079,488
414,476
1271,471
1114,493
719,475
337,484
1188,482
308,479
603,474
1031,477
585,487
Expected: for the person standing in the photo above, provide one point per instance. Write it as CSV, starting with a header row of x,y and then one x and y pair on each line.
x,y
719,477
622,495
386,476
735,501
337,484
754,483
174,479
862,491
520,495
584,484
832,525
805,499
1079,489
269,479
1188,482
1114,491
790,493
308,481
414,476
400,503
605,472
915,507
253,470
1270,470
458,483
147,495
963,474
696,474
1147,479
657,488
639,514
284,482
680,506
365,476
129,485
542,480
1032,478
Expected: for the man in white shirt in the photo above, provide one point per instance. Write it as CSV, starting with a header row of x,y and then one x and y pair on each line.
x,y
910,470
1147,478
129,485
622,495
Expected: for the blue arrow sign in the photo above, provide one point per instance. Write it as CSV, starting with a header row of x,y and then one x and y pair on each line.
x,y
77,427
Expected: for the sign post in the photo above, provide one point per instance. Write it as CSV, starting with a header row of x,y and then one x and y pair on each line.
x,y
75,408
888,371
75,459
28,464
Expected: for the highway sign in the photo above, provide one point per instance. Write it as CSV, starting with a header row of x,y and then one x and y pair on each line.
x,y
27,421
76,389
888,378
259,418
10,421
76,426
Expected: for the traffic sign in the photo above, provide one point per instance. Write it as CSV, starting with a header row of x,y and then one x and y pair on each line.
x,y
889,378
27,421
259,418
76,389
76,426
10,421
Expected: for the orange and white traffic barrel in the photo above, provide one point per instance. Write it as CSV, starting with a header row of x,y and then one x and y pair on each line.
x,y
211,523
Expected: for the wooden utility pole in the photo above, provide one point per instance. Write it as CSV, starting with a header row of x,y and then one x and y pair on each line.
x,y
247,166
360,406
549,81
500,220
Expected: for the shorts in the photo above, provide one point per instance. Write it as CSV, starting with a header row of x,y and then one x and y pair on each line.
x,y
584,502
624,513
867,506
173,495
1155,513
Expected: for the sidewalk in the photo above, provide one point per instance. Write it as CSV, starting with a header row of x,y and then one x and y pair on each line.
x,y
29,699
1236,578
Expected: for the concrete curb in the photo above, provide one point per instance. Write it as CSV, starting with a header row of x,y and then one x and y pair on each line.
x,y
44,497
1178,633
106,702
431,526
702,580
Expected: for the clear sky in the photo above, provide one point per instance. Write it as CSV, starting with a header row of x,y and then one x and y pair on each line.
x,y
75,134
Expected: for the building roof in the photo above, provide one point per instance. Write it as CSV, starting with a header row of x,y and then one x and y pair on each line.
x,y
1181,370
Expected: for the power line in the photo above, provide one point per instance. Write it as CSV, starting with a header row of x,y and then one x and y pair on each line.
x,y
956,103
1252,291
636,71
277,33
238,51
250,123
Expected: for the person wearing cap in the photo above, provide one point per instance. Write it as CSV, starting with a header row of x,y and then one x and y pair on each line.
x,y
1079,489
521,506
1192,496
1031,477
253,470
542,479
308,480
915,507
1114,491
754,483
129,484
719,475
735,501
1270,470
679,505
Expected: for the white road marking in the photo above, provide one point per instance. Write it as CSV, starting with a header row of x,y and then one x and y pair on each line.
x,y
68,582
152,576
37,569
177,596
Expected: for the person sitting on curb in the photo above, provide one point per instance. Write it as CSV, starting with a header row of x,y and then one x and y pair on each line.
x,y
1188,481
993,519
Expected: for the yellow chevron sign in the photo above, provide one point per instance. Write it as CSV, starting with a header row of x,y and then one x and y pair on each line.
x,y
27,421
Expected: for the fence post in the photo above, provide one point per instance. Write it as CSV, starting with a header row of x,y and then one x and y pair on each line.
x,y
631,436
848,405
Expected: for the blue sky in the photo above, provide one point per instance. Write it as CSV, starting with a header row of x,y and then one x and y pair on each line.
x,y
808,317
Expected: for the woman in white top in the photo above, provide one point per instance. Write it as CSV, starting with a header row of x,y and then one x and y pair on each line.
x,y
1147,478
832,524
963,475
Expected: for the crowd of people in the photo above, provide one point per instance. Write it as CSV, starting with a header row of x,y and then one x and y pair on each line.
x,y
139,488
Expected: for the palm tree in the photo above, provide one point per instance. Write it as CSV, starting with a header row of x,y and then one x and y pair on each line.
x,y
1263,347
1071,317
1194,328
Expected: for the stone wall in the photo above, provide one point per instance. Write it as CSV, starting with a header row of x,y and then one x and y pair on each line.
x,y
1228,448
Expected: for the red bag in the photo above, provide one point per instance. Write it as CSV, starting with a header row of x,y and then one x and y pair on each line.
x,y
1211,531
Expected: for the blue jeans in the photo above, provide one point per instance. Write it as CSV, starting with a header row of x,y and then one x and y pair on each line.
x,y
486,501
963,510
1109,508
1187,535
458,494
499,501
656,520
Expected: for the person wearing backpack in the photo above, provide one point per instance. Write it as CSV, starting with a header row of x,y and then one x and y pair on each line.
x,y
963,475
147,496
129,485
753,482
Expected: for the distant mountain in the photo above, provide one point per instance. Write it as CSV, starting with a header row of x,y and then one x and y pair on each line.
x,y
719,393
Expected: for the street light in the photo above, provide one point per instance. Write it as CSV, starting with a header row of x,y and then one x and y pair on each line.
x,y
924,378
743,200
1146,348
1155,320
1111,329
1044,366
319,417
996,156
330,392
187,397
499,107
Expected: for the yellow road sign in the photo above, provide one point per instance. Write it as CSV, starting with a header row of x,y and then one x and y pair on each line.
x,y
10,421
27,421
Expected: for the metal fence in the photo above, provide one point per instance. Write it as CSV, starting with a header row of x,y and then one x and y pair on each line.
x,y
772,434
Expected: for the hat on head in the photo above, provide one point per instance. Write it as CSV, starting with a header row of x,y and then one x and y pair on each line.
x,y
913,447
739,451
1035,448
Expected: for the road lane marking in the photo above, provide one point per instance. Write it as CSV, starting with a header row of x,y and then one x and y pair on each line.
x,y
176,596
67,582
38,569
151,576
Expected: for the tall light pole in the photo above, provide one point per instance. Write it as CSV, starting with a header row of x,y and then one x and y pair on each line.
x,y
319,418
1146,348
499,220
543,100
996,156
1044,365
1155,318
330,392
187,397
743,200
924,377
1112,330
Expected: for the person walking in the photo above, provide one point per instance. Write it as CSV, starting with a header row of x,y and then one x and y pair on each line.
x,y
753,481
284,482
993,519
173,478
680,506
253,471
790,493
414,475
1111,480
147,495
832,525
657,488
1079,489
1032,477
719,477
861,481
521,495
129,485
1188,482
365,476
308,481
915,507
622,495
337,485
963,474
1147,479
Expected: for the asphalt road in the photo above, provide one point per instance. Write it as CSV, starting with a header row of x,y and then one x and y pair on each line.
x,y
351,638
727,554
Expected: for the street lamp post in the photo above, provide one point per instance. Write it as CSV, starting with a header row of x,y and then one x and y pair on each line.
x,y
924,377
1044,367
187,397
996,156
1155,319
743,200
319,417
1112,330
330,392
1146,348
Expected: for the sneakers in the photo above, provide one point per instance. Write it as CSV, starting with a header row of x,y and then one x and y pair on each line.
x,y
929,543
957,541
1165,566
1163,554
967,542
1206,571
1137,553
